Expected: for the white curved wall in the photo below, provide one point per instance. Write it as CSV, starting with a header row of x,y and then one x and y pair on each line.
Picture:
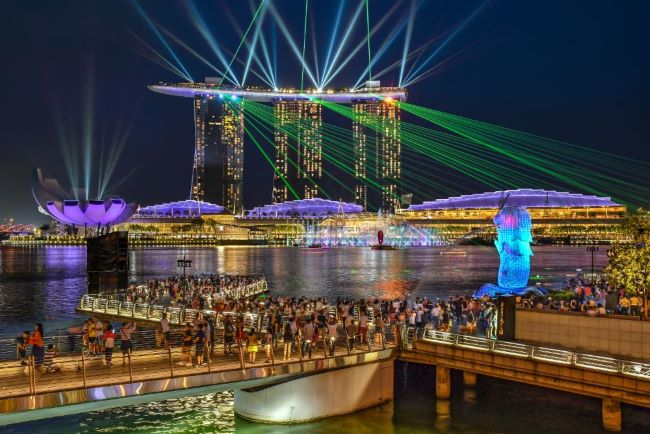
x,y
317,396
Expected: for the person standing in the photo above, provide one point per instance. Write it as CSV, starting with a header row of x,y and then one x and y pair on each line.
x,y
126,344
288,341
99,331
252,345
36,341
351,332
166,330
308,332
228,335
109,344
332,335
268,344
363,325
199,343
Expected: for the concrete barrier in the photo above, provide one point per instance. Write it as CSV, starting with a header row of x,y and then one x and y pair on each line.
x,y
618,337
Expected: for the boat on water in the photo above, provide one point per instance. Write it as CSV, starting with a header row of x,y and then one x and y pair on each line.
x,y
383,247
380,243
315,246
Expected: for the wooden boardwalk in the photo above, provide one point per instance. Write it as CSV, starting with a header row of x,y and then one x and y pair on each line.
x,y
79,372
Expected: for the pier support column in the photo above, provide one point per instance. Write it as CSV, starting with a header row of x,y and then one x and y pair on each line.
x,y
611,415
443,415
469,379
443,383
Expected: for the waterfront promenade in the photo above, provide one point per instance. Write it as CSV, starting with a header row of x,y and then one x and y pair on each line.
x,y
83,379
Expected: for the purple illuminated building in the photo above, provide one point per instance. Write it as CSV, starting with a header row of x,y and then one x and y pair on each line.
x,y
54,201
304,208
184,208
526,198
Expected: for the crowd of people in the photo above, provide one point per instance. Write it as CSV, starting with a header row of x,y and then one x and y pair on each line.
x,y
293,325
301,324
198,291
595,298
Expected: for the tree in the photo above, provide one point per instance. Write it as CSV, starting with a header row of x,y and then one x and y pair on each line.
x,y
629,264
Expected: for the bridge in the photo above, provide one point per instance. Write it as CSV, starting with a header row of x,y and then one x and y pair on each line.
x,y
612,380
84,383
281,391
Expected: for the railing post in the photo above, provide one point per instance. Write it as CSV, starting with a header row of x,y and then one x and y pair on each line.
x,y
171,360
368,341
241,354
130,367
83,367
272,354
382,337
324,345
133,310
207,356
32,374
347,343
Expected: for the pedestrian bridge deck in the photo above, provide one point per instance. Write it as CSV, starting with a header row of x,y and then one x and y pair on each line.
x,y
576,372
83,379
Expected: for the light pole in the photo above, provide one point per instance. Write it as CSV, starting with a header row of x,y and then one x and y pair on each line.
x,y
184,263
592,249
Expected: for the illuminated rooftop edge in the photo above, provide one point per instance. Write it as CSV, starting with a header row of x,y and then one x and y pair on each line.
x,y
528,198
309,208
183,208
190,90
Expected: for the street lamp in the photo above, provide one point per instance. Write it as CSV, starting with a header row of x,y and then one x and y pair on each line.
x,y
184,263
592,249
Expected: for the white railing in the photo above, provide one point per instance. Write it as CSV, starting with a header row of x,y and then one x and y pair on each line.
x,y
551,355
176,315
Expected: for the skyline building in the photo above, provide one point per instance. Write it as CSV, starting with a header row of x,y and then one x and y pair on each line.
x,y
377,153
217,175
218,169
298,138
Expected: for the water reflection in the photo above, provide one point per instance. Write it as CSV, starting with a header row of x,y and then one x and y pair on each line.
x,y
500,407
45,283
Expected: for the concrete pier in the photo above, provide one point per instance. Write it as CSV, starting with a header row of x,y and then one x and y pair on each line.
x,y
611,415
443,382
318,396
469,379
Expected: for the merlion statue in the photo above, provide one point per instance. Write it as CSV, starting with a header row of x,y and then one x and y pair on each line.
x,y
513,244
514,236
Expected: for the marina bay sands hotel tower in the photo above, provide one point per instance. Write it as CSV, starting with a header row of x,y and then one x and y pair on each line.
x,y
218,169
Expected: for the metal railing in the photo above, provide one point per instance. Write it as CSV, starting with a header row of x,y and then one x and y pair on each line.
x,y
176,315
550,355
79,369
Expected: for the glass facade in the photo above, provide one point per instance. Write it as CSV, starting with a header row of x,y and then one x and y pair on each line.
x,y
298,135
218,170
377,153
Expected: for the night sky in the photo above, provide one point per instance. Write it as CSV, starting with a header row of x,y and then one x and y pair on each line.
x,y
570,70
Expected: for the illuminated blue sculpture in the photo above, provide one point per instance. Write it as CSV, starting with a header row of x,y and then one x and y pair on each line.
x,y
513,226
513,244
